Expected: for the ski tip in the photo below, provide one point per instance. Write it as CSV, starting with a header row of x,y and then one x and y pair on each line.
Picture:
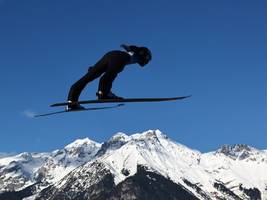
x,y
188,96
56,104
183,97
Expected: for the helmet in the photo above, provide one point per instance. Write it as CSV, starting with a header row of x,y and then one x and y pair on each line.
x,y
144,55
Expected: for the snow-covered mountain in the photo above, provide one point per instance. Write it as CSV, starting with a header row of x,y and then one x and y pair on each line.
x,y
147,165
20,171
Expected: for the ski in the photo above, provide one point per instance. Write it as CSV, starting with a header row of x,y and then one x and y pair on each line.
x,y
85,109
126,100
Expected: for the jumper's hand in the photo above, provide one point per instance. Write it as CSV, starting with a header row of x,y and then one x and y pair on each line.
x,y
131,48
126,47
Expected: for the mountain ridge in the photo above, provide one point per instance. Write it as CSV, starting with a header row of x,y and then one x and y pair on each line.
x,y
209,175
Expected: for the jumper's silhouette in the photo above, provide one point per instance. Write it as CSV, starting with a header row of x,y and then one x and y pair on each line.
x,y
109,66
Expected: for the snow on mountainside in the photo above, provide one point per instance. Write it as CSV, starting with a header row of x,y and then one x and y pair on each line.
x,y
152,149
231,172
22,170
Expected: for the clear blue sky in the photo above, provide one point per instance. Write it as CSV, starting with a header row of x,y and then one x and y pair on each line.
x,y
214,50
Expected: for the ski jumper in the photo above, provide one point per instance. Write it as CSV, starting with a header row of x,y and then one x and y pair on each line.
x,y
108,66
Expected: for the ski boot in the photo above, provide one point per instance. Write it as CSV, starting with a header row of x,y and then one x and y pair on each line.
x,y
110,95
75,106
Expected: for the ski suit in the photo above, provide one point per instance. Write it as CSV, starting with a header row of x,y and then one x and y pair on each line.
x,y
108,66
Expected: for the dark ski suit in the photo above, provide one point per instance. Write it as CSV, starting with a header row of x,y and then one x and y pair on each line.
x,y
109,65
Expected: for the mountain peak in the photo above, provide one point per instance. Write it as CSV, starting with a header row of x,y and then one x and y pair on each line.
x,y
119,137
82,143
148,135
237,151
122,137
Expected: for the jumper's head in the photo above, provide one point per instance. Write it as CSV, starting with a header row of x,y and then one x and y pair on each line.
x,y
143,54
